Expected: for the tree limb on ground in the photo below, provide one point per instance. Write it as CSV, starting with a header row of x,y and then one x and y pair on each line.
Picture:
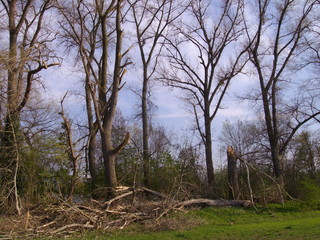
x,y
74,225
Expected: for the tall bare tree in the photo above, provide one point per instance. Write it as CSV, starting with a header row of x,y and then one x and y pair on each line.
x,y
278,40
151,19
204,55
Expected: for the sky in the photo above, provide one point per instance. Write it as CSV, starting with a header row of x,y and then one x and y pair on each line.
x,y
170,111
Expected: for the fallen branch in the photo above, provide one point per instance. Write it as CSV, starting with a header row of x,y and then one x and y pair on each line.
x,y
89,209
87,226
108,203
47,224
216,203
76,208
209,203
144,189
153,192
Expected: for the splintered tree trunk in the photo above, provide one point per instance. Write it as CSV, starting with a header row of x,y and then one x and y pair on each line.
x,y
233,182
73,156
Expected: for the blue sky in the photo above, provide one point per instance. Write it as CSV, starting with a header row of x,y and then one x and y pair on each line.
x,y
171,112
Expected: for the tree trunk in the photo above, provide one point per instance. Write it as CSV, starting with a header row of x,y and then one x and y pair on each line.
x,y
234,192
277,165
109,162
208,151
92,138
108,152
92,162
145,131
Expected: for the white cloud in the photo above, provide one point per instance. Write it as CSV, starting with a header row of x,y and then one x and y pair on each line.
x,y
239,111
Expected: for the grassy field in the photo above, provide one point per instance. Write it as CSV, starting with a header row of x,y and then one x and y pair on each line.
x,y
225,223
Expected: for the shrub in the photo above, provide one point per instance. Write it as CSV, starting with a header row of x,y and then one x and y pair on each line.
x,y
309,191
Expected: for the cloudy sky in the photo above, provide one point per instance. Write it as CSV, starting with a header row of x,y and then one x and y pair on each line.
x,y
170,111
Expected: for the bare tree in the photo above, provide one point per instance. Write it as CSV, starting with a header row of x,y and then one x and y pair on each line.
x,y
278,40
151,19
247,138
204,55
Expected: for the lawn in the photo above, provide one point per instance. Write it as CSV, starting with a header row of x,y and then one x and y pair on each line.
x,y
225,223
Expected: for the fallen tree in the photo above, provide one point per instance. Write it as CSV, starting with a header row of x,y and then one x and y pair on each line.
x,y
216,203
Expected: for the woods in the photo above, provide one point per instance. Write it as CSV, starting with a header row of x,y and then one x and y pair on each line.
x,y
82,145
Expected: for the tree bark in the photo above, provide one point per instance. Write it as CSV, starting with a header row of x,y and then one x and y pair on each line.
x,y
277,165
234,192
92,142
145,129
208,151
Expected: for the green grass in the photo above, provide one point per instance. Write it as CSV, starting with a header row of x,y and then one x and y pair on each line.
x,y
227,223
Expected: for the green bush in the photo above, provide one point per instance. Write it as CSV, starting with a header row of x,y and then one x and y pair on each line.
x,y
309,191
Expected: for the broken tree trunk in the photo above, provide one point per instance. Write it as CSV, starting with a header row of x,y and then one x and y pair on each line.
x,y
234,192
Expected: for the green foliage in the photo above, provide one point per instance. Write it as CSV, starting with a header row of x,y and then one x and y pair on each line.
x,y
309,191
304,154
221,183
128,167
302,171
44,169
163,172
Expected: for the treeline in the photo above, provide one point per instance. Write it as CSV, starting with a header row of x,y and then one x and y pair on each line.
x,y
199,47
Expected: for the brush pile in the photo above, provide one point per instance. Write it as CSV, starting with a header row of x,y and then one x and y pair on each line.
x,y
130,205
